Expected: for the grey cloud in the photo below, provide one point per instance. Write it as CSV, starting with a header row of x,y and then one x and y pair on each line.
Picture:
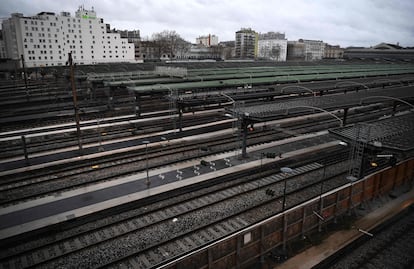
x,y
351,22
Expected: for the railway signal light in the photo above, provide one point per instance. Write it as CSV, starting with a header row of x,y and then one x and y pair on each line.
x,y
270,155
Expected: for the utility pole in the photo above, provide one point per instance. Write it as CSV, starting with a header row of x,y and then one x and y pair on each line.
x,y
25,76
75,101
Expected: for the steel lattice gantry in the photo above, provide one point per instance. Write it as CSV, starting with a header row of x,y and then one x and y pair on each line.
x,y
393,135
266,112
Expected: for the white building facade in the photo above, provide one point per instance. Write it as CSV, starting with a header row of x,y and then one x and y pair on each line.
x,y
47,38
207,41
272,46
314,49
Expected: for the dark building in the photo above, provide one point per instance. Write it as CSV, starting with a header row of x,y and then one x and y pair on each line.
x,y
383,51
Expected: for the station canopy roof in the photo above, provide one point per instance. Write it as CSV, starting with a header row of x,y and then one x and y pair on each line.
x,y
394,133
264,112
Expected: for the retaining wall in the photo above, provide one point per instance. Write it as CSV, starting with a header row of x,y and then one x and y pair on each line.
x,y
247,247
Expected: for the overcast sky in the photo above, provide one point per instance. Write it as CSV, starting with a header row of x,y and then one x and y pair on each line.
x,y
343,22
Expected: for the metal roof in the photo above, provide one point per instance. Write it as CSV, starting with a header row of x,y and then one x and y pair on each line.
x,y
245,77
266,111
395,133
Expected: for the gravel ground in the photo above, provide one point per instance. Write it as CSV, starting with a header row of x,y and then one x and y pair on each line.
x,y
132,240
390,248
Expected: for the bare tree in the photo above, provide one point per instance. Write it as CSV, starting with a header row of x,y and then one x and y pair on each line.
x,y
170,42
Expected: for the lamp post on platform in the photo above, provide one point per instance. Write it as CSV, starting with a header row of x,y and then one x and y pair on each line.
x,y
146,142
285,170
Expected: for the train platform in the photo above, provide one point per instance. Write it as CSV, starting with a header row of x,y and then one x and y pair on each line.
x,y
39,213
338,240
96,150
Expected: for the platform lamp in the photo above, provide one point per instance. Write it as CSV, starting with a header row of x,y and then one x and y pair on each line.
x,y
285,170
146,142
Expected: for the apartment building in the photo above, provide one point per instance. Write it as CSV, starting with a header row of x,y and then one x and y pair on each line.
x,y
207,41
305,50
47,38
272,46
246,43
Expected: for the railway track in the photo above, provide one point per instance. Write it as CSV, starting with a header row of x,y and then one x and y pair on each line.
x,y
33,186
147,236
392,246
101,132
23,187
